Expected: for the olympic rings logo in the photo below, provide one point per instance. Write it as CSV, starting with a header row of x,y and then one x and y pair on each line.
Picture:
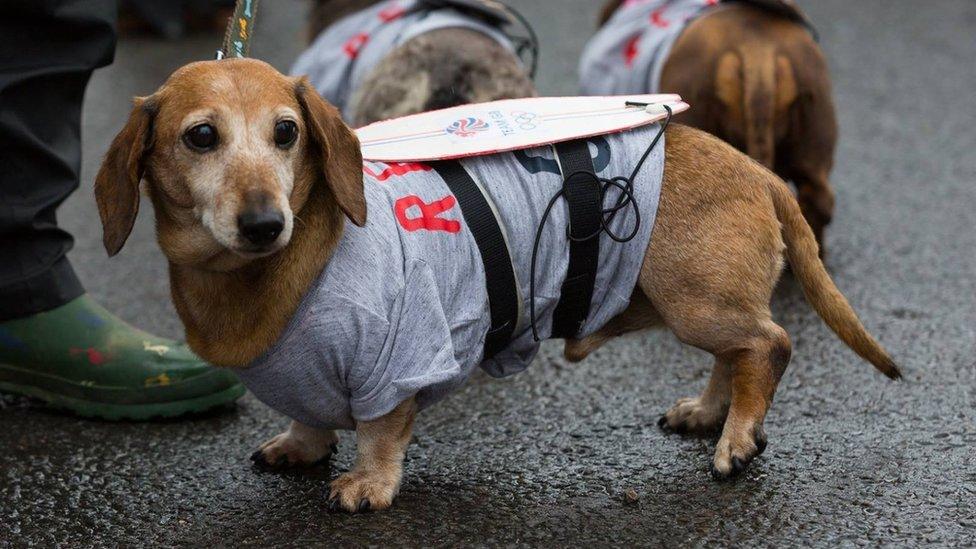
x,y
526,121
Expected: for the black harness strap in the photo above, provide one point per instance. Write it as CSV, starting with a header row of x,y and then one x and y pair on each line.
x,y
499,272
584,196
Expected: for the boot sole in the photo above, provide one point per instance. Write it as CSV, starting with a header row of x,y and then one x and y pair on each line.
x,y
117,411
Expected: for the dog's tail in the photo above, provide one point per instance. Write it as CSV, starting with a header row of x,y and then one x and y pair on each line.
x,y
819,288
759,88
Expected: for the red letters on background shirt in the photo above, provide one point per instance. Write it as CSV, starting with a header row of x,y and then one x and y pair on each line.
x,y
354,44
392,13
631,51
658,20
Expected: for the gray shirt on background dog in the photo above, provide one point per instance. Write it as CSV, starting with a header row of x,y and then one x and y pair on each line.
x,y
628,53
401,308
345,53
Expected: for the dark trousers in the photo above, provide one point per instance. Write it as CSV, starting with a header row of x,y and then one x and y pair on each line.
x,y
48,50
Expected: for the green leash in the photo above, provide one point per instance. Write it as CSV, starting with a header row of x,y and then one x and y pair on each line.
x,y
240,29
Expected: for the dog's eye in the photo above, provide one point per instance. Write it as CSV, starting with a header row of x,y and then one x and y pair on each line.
x,y
285,133
201,138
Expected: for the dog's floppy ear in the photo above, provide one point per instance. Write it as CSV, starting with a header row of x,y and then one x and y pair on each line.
x,y
338,150
117,182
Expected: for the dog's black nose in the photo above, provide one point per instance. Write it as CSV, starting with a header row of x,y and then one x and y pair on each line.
x,y
261,227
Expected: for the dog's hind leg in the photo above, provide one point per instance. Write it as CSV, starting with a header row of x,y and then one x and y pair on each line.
x,y
751,353
808,149
706,413
756,369
300,445
714,259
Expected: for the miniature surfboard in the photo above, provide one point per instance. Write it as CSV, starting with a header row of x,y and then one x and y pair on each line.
x,y
509,124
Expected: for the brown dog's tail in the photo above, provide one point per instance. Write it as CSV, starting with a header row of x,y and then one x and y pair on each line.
x,y
758,98
819,288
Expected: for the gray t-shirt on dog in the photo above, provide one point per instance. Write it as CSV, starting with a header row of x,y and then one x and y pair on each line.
x,y
628,54
345,53
401,308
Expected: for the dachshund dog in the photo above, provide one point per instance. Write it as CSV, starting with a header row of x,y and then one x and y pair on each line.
x,y
751,69
382,59
260,196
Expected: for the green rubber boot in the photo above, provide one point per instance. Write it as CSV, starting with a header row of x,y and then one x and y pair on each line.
x,y
81,358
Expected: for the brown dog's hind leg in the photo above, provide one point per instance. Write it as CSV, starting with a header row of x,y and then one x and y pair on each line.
x,y
381,445
756,369
706,413
715,256
808,149
300,445
751,354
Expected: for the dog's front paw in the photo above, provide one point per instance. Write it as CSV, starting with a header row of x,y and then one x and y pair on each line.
x,y
736,449
691,415
299,446
364,490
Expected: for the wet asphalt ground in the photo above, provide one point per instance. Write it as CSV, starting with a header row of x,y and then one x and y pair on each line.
x,y
546,457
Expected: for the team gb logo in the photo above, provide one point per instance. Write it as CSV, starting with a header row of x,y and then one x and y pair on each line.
x,y
468,127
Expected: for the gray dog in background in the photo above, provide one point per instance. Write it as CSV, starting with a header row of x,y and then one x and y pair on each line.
x,y
381,59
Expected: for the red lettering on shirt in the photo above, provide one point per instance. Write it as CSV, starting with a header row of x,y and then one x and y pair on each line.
x,y
428,220
355,44
658,20
392,13
396,169
631,51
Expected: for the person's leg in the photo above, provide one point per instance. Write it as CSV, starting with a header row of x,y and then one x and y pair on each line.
x,y
48,52
56,343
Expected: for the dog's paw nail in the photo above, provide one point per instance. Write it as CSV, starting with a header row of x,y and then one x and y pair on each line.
x,y
738,465
363,505
334,448
761,445
334,505
259,461
663,423
716,474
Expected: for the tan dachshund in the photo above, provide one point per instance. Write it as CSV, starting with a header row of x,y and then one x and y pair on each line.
x,y
757,79
229,148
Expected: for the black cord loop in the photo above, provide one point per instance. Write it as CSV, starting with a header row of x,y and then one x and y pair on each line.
x,y
625,186
528,43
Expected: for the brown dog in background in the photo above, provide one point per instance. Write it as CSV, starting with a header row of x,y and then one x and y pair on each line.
x,y
759,81
223,140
